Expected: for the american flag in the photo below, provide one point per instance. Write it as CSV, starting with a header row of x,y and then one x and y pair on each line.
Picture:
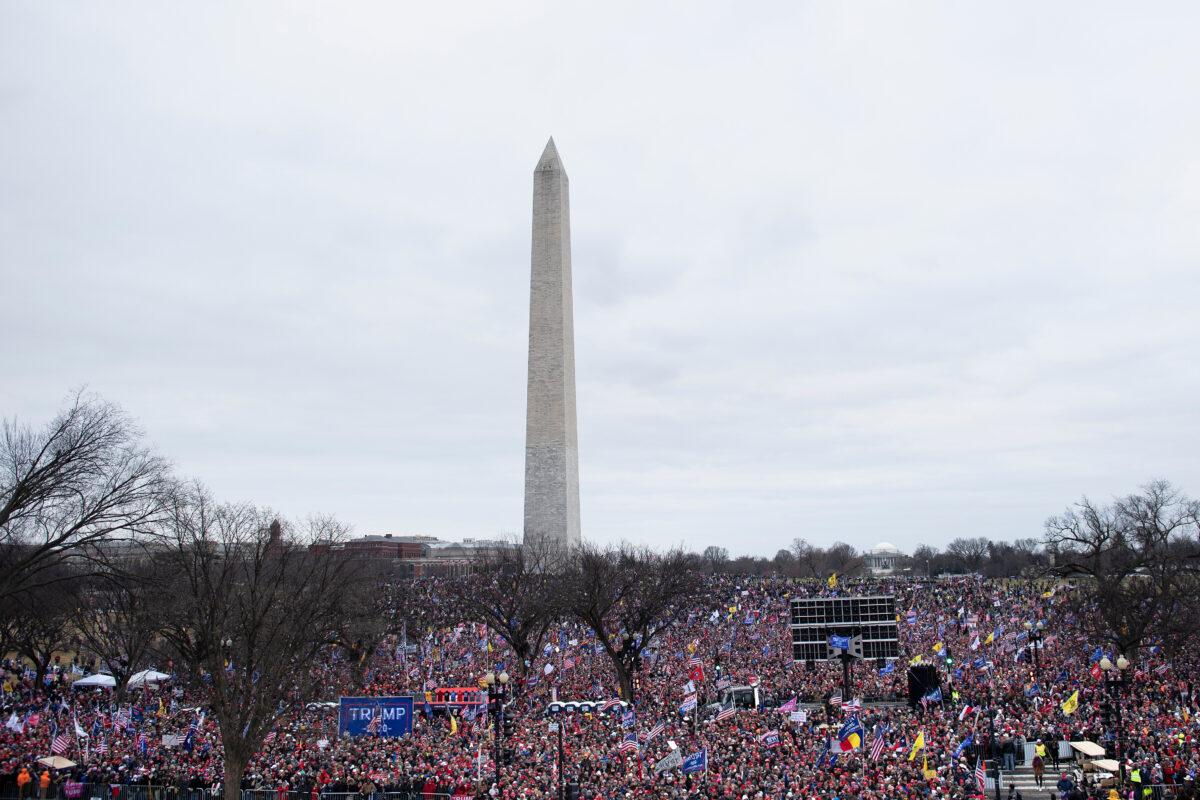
x,y
980,776
855,704
726,712
610,704
694,661
878,743
629,743
270,737
568,663
655,731
61,744
836,699
101,746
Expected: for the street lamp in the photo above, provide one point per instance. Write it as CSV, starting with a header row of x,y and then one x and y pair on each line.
x,y
497,688
993,749
1035,638
1116,680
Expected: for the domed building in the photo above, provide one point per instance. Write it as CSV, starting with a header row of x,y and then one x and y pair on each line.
x,y
883,559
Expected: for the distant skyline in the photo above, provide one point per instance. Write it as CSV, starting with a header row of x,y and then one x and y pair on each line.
x,y
867,272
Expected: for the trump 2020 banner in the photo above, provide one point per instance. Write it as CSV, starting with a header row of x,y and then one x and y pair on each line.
x,y
375,716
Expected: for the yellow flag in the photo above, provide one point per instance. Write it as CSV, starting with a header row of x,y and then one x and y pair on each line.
x,y
917,658
1048,595
453,724
918,745
991,638
1071,703
832,582
937,648
929,774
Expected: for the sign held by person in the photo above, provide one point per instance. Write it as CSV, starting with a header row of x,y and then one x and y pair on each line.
x,y
375,716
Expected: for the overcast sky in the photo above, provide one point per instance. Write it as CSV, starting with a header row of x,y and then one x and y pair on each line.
x,y
853,271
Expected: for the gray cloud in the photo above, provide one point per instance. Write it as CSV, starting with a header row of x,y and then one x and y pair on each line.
x,y
870,272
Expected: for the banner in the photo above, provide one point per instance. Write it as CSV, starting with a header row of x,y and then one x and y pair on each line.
x,y
673,760
375,716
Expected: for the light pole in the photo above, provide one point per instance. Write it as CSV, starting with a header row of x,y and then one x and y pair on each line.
x,y
992,740
557,727
1116,680
1035,641
496,699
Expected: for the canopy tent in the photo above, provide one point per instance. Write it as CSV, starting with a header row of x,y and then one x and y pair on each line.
x,y
56,762
147,677
105,681
1107,764
1089,749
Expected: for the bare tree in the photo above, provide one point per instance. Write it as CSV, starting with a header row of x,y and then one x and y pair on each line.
x,y
715,557
83,482
41,627
514,592
371,603
842,559
970,553
808,559
1141,554
629,598
923,560
120,618
250,614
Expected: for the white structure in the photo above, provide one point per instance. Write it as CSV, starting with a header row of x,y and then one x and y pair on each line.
x,y
883,559
551,444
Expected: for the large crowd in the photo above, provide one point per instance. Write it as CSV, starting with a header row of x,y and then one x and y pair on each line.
x,y
995,702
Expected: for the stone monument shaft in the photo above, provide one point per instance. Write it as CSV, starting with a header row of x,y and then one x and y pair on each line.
x,y
551,445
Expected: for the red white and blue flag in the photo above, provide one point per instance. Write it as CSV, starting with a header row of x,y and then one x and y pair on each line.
x,y
629,743
878,744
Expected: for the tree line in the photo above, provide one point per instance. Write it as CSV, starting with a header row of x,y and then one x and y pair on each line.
x,y
964,555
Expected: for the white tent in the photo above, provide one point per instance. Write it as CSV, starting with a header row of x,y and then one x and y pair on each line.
x,y
147,676
105,681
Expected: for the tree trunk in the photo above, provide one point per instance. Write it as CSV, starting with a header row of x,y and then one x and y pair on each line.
x,y
235,767
361,665
626,680
40,670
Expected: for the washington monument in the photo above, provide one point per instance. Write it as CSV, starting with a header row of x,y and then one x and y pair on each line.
x,y
551,446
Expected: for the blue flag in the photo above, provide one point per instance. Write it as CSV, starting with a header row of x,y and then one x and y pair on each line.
x,y
889,669
696,762
824,755
964,744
